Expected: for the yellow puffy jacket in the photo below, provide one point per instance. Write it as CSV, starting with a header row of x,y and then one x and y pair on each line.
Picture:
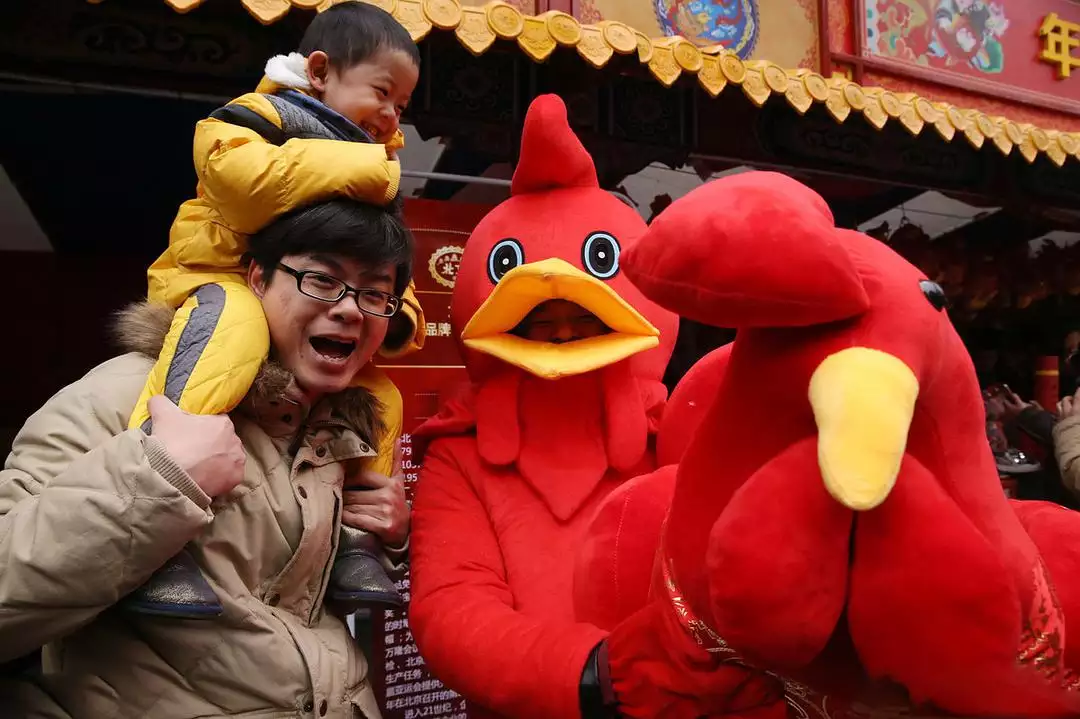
x,y
219,340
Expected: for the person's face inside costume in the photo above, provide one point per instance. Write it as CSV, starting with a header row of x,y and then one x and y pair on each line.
x,y
372,94
558,322
324,343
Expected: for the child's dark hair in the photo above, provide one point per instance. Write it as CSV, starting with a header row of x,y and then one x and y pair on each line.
x,y
353,32
375,236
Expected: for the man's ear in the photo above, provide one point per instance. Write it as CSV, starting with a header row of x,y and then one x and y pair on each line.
x,y
256,279
318,69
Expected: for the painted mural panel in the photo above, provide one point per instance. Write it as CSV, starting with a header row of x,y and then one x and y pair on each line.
x,y
783,31
1008,46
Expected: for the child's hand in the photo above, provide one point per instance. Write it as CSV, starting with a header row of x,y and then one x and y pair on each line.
x,y
380,507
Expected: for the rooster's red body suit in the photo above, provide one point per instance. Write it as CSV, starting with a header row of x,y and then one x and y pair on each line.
x,y
516,467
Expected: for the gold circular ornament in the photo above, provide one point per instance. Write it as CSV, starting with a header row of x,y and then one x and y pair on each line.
x,y
775,78
986,125
505,20
1012,131
925,110
733,68
855,96
621,38
891,104
443,14
688,56
564,28
816,86
956,117
1041,139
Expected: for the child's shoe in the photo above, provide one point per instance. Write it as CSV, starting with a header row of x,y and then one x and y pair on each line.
x,y
358,578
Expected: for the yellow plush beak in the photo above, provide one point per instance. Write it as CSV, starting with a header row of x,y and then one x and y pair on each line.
x,y
525,287
863,401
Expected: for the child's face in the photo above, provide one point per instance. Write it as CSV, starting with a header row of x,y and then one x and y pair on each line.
x,y
372,94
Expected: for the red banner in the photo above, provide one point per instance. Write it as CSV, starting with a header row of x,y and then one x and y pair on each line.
x,y
1025,50
406,690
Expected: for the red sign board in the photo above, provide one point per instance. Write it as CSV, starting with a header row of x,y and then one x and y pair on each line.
x,y
1024,50
404,687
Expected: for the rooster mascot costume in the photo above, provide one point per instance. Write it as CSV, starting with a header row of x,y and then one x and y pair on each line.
x,y
834,516
515,469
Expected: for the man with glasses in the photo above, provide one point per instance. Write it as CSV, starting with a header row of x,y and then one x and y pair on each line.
x,y
89,508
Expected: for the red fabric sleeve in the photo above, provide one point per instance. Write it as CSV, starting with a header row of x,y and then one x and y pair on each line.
x,y
462,610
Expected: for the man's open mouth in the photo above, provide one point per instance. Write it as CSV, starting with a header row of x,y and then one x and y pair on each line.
x,y
334,350
523,288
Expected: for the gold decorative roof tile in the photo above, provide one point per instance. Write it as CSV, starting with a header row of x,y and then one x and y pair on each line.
x,y
715,68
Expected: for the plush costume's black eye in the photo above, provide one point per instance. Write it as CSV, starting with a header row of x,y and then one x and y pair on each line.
x,y
505,256
934,294
600,255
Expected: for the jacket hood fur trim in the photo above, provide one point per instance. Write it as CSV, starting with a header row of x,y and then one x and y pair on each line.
x,y
141,328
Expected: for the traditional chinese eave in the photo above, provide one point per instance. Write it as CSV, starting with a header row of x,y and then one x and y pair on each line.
x,y
667,59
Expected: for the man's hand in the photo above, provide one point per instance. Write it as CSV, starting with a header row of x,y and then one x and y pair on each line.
x,y
380,507
1013,405
1069,406
206,447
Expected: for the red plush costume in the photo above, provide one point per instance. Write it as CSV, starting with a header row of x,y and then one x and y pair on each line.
x,y
836,514
515,468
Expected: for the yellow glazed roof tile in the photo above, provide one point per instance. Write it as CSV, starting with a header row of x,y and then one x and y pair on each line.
x,y
667,59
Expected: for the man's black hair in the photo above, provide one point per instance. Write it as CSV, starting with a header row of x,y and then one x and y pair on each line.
x,y
353,32
373,235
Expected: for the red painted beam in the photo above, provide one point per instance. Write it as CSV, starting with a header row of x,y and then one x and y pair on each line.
x,y
824,48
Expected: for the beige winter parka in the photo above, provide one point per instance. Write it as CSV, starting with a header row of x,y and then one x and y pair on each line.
x,y
89,509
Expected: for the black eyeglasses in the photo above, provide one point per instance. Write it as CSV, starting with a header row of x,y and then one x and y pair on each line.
x,y
323,287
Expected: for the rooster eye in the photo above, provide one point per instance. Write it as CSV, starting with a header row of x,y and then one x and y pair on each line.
x,y
505,256
934,294
600,255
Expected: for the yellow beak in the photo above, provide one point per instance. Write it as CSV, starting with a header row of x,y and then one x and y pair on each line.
x,y
863,401
525,287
